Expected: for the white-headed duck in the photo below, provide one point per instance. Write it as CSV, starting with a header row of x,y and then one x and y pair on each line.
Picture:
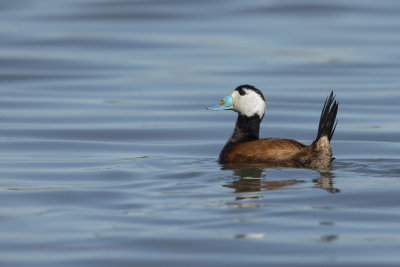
x,y
244,146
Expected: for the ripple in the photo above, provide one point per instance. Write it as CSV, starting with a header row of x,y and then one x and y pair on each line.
x,y
107,151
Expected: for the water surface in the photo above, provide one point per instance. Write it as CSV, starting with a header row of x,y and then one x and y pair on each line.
x,y
109,157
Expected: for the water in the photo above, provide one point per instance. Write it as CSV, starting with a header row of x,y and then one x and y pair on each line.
x,y
109,157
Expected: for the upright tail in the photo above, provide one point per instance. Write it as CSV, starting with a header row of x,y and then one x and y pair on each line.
x,y
327,122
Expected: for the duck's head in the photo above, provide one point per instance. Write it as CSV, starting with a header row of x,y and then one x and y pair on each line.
x,y
245,99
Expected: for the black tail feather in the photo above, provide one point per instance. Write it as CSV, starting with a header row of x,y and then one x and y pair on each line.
x,y
328,122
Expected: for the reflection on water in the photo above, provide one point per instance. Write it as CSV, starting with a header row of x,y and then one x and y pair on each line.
x,y
326,181
253,179
328,238
251,236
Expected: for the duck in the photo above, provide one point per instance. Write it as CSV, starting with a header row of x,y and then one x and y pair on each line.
x,y
245,147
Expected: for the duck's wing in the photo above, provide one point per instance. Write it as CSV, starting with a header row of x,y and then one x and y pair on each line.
x,y
268,150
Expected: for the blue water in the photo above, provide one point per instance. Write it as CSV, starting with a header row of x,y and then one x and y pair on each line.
x,y
108,156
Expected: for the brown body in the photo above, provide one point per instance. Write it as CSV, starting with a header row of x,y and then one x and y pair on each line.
x,y
276,152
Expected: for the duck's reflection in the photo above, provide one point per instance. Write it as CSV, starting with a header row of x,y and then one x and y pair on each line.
x,y
249,182
326,182
254,179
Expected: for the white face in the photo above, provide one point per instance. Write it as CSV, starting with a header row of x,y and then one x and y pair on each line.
x,y
249,104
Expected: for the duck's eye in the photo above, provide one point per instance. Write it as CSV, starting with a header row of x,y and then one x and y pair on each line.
x,y
242,92
222,101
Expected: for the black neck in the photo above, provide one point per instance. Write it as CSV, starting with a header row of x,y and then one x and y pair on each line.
x,y
246,129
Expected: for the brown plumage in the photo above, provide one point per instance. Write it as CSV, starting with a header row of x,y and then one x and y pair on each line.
x,y
275,152
244,146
